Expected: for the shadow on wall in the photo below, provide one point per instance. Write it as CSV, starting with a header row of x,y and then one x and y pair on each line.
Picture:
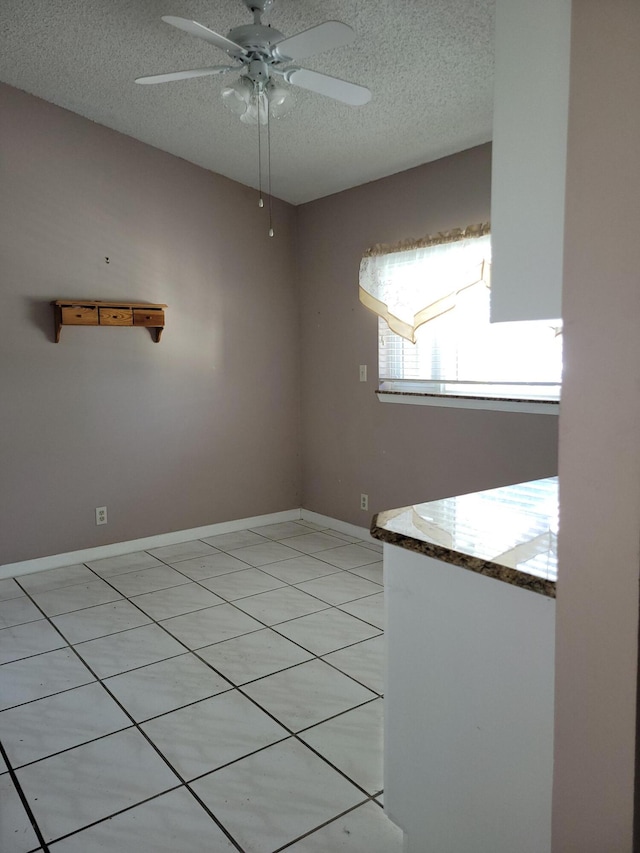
x,y
41,315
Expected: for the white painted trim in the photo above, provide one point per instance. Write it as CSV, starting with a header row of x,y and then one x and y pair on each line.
x,y
55,561
340,526
532,407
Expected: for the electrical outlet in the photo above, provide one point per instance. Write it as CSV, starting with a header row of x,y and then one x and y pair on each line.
x,y
364,501
363,373
101,515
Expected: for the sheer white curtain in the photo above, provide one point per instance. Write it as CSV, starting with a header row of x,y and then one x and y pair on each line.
x,y
409,286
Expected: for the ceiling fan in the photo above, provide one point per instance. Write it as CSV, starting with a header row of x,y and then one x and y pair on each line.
x,y
263,56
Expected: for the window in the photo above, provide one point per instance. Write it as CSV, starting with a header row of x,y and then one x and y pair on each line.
x,y
435,338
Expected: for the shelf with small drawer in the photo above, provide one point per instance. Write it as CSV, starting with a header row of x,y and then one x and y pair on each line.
x,y
86,312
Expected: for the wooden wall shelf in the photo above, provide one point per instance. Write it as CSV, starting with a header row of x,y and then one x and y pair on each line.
x,y
86,312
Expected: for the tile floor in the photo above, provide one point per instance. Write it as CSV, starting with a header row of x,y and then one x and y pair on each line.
x,y
222,694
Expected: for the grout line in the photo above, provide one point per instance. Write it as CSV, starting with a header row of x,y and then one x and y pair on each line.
x,y
153,621
266,711
135,725
291,734
368,701
218,822
142,803
24,801
322,825
70,645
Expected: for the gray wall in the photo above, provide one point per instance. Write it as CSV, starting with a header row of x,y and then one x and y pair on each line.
x,y
352,443
200,428
599,545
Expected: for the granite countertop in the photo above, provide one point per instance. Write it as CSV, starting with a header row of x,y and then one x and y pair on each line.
x,y
508,533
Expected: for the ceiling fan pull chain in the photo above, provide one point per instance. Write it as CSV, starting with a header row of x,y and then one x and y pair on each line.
x,y
260,200
269,168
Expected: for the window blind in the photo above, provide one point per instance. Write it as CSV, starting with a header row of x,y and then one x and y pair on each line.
x,y
462,354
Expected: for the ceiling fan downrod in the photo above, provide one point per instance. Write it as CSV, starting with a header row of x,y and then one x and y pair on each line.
x,y
258,8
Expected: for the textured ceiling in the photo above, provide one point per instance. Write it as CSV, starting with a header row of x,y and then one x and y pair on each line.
x,y
429,64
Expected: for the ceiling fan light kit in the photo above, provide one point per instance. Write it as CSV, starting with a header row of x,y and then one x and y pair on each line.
x,y
257,105
262,53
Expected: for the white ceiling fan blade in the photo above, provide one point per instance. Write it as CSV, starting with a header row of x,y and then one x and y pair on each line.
x,y
184,75
199,30
315,40
332,87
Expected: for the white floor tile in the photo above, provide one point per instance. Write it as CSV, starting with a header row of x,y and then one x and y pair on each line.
x,y
88,783
128,650
339,588
111,566
312,525
76,597
32,638
236,539
10,589
96,783
364,830
280,605
299,569
99,621
364,662
372,572
326,631
56,578
307,694
352,742
171,823
346,537
373,545
210,566
147,580
42,675
283,530
349,556
16,832
17,611
212,625
261,555
202,737
241,584
165,686
165,603
274,796
252,656
309,543
182,551
371,609
59,722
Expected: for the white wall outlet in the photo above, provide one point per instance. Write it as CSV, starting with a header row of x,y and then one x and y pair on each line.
x,y
364,501
363,373
101,515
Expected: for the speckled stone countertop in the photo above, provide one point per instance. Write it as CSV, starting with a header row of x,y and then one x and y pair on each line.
x,y
508,533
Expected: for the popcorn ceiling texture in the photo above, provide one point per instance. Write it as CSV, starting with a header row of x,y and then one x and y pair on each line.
x,y
429,64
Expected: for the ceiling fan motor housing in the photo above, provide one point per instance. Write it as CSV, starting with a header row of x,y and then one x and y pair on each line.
x,y
256,38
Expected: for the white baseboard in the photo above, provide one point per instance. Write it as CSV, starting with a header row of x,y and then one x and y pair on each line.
x,y
55,561
341,526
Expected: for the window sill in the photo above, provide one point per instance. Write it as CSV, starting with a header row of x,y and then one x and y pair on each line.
x,y
495,404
